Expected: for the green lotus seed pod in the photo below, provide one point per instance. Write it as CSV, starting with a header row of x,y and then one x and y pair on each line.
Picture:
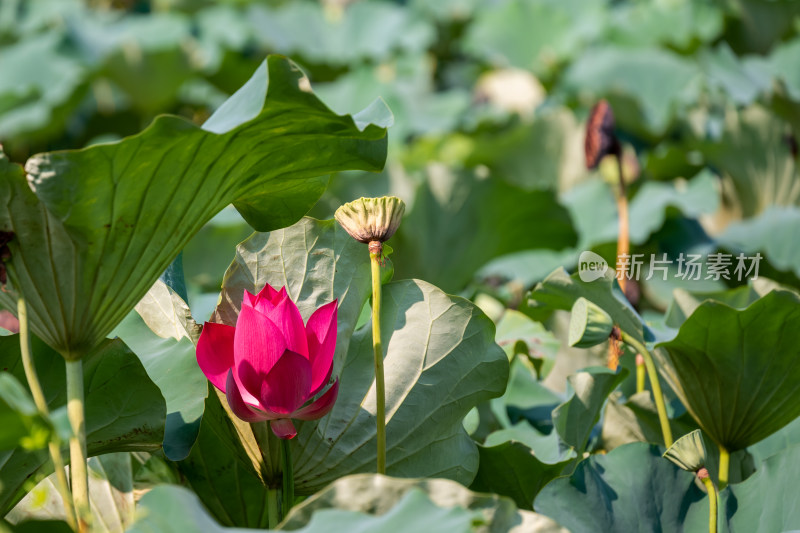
x,y
589,324
371,219
688,452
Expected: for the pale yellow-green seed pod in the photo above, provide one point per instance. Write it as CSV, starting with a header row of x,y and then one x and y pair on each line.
x,y
688,452
589,325
371,219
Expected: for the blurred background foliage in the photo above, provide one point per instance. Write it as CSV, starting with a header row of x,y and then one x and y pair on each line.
x,y
489,97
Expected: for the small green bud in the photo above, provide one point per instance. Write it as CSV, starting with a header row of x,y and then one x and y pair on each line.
x,y
371,220
688,452
589,324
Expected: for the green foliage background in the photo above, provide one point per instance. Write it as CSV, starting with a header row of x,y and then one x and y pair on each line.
x,y
490,99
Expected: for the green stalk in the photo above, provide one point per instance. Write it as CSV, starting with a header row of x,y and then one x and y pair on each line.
x,y
712,503
288,477
272,508
77,444
724,467
658,396
54,445
641,373
380,393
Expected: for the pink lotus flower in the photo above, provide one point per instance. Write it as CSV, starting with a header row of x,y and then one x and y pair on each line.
x,y
271,364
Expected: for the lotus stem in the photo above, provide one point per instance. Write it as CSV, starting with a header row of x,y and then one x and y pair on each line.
x,y
54,445
288,477
658,396
77,444
641,373
623,237
712,499
272,508
724,467
380,393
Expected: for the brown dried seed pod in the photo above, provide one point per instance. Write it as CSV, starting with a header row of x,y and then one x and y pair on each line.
x,y
600,137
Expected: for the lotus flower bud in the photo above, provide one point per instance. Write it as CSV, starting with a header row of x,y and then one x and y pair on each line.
x,y
371,220
688,452
589,324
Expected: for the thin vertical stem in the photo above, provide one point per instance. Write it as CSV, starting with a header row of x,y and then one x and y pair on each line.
x,y
288,477
77,444
712,500
54,445
724,467
658,395
641,373
623,247
380,393
623,237
272,508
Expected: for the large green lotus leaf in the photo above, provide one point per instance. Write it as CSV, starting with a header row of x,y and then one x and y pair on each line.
x,y
46,85
144,55
368,30
784,438
374,494
632,488
646,86
105,221
741,78
684,303
440,362
546,153
769,232
513,469
110,496
207,255
766,501
459,222
575,418
755,156
440,357
171,364
735,370
679,24
560,290
594,211
782,58
532,35
407,85
124,409
174,509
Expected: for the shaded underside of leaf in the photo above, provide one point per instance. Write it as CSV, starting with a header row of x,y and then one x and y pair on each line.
x,y
105,221
736,370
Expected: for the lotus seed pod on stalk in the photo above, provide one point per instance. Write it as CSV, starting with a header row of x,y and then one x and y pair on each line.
x,y
688,452
373,221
